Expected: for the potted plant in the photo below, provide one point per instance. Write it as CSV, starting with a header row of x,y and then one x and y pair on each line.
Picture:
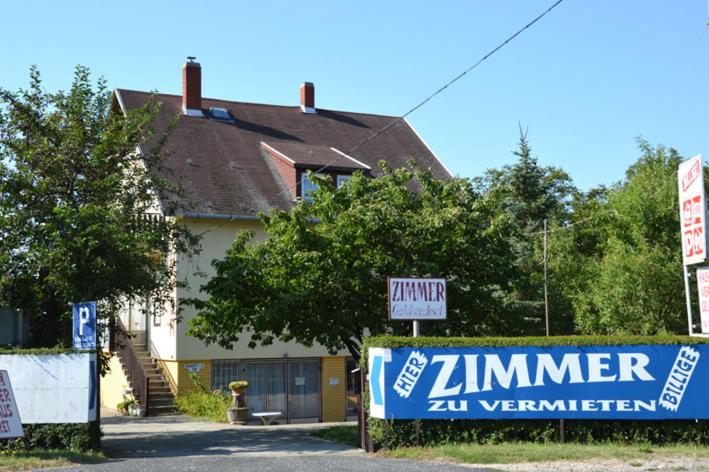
x,y
238,388
237,413
136,410
125,406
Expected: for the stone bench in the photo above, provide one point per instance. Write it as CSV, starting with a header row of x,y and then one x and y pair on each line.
x,y
267,417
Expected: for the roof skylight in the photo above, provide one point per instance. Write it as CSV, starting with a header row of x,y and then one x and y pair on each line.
x,y
221,114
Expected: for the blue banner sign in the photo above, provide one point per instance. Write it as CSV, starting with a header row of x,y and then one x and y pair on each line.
x,y
84,334
575,382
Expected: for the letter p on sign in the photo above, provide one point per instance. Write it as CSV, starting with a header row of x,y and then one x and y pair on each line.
x,y
84,325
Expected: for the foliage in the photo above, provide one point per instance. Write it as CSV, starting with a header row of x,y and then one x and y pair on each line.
x,y
123,405
238,384
343,434
39,351
11,460
208,405
620,264
519,452
293,285
402,433
202,403
599,340
526,194
73,195
63,436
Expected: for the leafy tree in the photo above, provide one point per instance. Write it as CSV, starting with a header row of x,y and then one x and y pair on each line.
x,y
321,276
526,194
74,195
622,260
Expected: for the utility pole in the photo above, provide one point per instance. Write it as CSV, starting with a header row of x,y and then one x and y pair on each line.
x,y
546,314
546,296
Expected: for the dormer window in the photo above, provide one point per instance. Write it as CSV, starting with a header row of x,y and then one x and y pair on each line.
x,y
292,161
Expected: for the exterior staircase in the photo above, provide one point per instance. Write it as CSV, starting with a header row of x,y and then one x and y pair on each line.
x,y
160,398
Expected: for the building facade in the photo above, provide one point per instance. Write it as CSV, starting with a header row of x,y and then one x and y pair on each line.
x,y
234,160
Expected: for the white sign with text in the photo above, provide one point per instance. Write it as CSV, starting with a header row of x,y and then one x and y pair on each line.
x,y
692,209
10,424
417,299
703,286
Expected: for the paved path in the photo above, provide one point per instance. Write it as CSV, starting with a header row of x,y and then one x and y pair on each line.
x,y
177,443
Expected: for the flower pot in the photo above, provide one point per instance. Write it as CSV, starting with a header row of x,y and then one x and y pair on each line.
x,y
231,414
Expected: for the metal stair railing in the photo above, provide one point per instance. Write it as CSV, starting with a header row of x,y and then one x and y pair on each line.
x,y
134,368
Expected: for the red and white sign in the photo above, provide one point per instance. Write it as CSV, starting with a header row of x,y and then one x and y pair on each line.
x,y
692,208
417,299
10,424
703,285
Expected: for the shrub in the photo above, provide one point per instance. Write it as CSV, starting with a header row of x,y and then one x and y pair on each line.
x,y
204,404
63,436
399,433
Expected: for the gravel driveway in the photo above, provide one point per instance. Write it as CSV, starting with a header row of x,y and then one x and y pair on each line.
x,y
177,443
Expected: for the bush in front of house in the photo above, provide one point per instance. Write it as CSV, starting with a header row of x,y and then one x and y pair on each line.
x,y
201,403
402,433
60,436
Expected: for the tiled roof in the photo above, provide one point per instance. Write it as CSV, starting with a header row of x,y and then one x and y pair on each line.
x,y
315,156
223,171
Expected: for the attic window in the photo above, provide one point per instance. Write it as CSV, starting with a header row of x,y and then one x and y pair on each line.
x,y
221,114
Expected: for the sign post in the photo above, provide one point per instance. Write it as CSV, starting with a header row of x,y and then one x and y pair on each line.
x,y
10,424
692,207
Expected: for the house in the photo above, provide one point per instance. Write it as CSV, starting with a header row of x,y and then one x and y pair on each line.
x,y
234,160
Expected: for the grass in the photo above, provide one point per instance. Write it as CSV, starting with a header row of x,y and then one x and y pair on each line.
x,y
519,452
343,434
35,459
533,452
207,405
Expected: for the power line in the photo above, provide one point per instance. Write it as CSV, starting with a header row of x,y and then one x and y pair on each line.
x,y
440,90
430,97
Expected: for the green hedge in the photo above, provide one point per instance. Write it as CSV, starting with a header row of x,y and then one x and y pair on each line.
x,y
400,433
39,351
63,436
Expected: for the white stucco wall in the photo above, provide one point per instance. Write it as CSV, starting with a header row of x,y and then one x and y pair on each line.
x,y
217,237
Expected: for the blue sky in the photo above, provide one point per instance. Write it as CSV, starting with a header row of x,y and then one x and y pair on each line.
x,y
586,80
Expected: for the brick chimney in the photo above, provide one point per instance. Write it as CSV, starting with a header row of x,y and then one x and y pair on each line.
x,y
307,97
192,88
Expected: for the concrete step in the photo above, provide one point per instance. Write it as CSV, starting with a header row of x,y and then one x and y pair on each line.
x,y
155,402
161,410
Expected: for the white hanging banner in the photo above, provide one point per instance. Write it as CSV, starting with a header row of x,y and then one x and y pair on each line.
x,y
10,424
692,207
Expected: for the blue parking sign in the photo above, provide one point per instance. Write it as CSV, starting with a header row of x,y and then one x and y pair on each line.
x,y
84,325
